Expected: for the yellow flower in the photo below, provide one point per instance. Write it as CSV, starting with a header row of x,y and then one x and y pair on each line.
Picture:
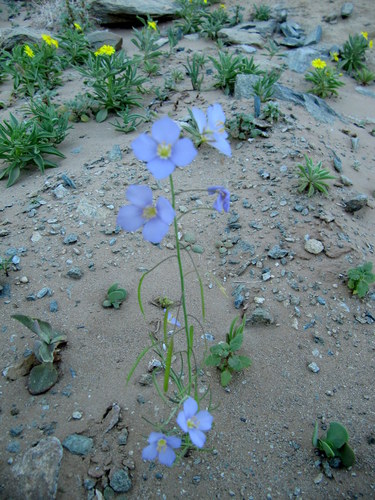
x,y
364,34
78,27
204,1
318,63
28,51
335,56
50,41
370,44
152,25
223,6
105,50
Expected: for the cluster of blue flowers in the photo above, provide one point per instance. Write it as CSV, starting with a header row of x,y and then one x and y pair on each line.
x,y
163,151
192,422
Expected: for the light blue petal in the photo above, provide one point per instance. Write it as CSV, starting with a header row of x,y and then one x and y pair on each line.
x,y
160,168
213,189
183,152
216,117
165,130
150,452
167,456
218,204
181,421
190,408
173,441
165,210
130,218
154,230
221,144
144,147
200,118
140,196
197,437
155,436
205,420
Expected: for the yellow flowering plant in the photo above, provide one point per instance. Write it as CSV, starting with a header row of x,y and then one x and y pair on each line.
x,y
105,50
325,80
75,46
353,53
50,41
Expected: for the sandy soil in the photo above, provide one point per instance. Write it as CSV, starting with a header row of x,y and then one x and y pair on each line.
x,y
260,446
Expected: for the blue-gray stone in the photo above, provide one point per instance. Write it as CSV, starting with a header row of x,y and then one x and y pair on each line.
x,y
53,306
256,106
78,445
14,447
16,431
321,301
314,37
43,292
70,239
68,181
75,273
115,153
277,253
239,301
346,9
120,481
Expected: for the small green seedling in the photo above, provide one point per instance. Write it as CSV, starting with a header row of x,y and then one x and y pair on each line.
x,y
44,375
224,357
5,264
360,278
335,444
115,296
312,177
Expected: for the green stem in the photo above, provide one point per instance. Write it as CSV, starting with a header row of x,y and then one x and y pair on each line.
x,y
182,282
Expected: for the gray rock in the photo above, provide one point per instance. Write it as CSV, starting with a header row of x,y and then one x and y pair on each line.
x,y
75,273
313,104
78,445
314,37
115,153
337,164
104,37
43,292
60,192
314,246
356,203
313,367
53,306
277,253
9,38
291,29
120,481
290,41
346,9
366,92
244,33
299,60
345,180
70,239
247,48
124,11
260,316
37,475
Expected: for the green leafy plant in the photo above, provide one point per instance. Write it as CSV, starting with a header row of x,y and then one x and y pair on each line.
x,y
44,375
129,120
227,68
50,118
335,443
264,87
114,81
223,355
193,68
261,12
360,279
325,80
273,49
115,296
75,45
237,15
81,108
190,15
213,22
243,126
145,39
353,53
313,177
271,112
5,264
24,143
365,76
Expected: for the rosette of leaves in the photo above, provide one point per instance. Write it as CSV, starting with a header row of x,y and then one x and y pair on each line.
x,y
43,375
325,82
50,118
353,53
75,46
224,355
335,444
22,144
360,279
313,177
115,296
243,126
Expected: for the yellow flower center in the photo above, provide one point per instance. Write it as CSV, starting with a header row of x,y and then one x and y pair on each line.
x,y
50,41
152,25
164,150
77,27
149,212
105,50
162,444
192,423
318,63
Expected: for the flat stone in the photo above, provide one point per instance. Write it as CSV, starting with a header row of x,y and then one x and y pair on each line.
x,y
356,203
314,246
314,36
104,37
260,316
242,34
120,481
36,476
345,180
346,9
299,60
277,252
70,239
124,11
60,192
78,445
313,367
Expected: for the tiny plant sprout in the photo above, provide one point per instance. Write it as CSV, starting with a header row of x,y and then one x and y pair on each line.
x,y
115,296
335,444
360,279
43,375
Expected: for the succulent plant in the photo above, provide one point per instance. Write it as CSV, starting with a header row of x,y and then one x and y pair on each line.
x,y
115,296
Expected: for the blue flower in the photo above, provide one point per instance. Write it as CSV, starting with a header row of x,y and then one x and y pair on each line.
x,y
212,128
161,447
163,150
223,199
154,219
195,422
171,320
